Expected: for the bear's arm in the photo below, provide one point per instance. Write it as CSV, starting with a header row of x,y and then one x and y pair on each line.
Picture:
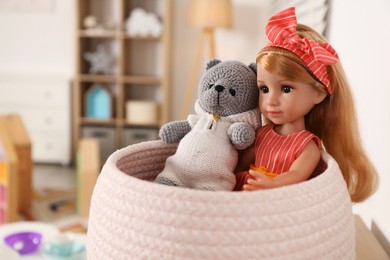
x,y
241,135
173,132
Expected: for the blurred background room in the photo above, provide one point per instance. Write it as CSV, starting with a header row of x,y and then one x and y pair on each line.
x,y
80,79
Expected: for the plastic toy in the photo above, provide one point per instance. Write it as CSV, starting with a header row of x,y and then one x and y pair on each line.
x,y
64,248
24,242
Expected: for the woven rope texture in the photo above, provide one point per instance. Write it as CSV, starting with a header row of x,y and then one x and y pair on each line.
x,y
133,218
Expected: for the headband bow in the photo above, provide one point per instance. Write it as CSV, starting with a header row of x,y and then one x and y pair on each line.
x,y
281,32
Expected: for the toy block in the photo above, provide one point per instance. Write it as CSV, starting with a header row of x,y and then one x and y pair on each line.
x,y
22,145
88,168
8,177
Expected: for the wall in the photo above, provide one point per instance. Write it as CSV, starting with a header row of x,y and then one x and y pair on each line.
x,y
37,57
38,42
362,40
240,42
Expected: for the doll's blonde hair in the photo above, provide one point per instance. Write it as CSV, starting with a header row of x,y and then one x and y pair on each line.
x,y
333,120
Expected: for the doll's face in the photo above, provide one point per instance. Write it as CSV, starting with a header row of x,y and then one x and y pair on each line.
x,y
285,102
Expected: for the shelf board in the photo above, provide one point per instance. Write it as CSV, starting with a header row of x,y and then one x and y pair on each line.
x,y
112,34
115,122
140,38
98,78
129,124
99,122
144,80
124,123
152,80
109,34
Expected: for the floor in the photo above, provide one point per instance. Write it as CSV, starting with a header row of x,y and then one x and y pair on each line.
x,y
55,188
52,213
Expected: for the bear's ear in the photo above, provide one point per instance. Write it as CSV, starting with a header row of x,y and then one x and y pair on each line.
x,y
212,63
253,66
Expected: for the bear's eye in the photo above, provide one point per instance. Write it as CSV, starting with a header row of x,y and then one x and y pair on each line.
x,y
232,92
210,86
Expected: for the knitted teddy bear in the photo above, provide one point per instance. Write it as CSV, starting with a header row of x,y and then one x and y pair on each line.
x,y
226,119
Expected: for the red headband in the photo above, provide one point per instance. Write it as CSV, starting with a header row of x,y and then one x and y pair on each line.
x,y
281,32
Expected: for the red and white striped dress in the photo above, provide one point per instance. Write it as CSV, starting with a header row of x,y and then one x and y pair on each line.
x,y
277,152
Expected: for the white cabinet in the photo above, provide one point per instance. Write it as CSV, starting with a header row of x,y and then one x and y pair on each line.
x,y
43,102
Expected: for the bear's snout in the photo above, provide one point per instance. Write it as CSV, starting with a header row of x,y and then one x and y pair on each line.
x,y
219,88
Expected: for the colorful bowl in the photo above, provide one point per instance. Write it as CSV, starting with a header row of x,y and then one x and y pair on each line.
x,y
24,242
63,248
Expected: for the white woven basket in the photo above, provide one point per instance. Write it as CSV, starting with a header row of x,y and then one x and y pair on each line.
x,y
131,218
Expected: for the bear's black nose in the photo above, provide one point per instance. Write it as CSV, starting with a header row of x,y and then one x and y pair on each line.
x,y
219,88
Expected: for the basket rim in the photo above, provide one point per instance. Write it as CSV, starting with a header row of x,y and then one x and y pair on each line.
x,y
120,155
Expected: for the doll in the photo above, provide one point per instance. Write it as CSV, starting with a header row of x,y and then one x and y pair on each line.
x,y
306,103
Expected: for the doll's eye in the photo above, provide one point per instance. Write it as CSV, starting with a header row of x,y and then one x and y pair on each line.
x,y
286,89
264,89
210,86
232,92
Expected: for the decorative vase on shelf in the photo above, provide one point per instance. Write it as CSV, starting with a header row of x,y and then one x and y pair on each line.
x,y
98,102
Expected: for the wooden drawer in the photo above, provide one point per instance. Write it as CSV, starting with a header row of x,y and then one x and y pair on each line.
x,y
46,119
33,94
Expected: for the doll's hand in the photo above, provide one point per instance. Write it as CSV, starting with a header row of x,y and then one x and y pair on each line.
x,y
259,182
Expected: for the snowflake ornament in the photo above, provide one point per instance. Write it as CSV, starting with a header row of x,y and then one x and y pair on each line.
x,y
101,60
